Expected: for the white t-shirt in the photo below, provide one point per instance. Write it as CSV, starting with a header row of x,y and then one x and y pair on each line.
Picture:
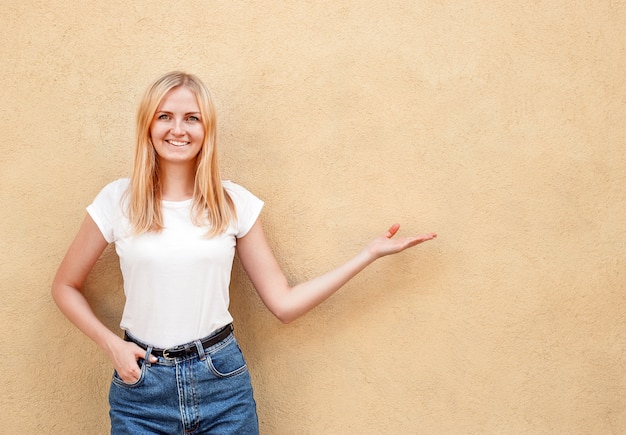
x,y
176,281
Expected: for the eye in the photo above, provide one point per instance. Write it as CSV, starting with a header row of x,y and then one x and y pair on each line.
x,y
163,116
193,118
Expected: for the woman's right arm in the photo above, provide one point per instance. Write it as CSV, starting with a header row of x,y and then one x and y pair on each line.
x,y
80,258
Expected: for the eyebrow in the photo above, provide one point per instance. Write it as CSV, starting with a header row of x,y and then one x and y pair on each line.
x,y
171,113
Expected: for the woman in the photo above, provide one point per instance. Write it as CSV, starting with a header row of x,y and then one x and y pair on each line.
x,y
176,226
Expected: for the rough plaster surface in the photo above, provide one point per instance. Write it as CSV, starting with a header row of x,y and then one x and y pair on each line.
x,y
500,126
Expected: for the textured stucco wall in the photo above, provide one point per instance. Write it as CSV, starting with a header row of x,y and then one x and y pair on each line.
x,y
498,125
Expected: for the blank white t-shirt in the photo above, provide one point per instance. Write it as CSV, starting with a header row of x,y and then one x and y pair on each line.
x,y
176,281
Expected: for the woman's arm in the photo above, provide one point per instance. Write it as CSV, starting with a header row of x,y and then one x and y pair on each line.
x,y
288,303
80,258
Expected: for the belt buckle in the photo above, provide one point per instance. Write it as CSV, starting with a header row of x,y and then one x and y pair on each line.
x,y
166,354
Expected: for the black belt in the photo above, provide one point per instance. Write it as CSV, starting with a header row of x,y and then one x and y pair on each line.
x,y
183,350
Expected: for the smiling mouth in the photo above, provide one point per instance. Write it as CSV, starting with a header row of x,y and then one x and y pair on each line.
x,y
177,143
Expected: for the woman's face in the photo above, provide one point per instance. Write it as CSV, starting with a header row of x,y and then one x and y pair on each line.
x,y
176,130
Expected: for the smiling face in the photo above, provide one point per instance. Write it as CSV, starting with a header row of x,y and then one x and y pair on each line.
x,y
176,130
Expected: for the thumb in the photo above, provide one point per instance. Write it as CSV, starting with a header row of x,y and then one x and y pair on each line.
x,y
152,358
392,231
141,353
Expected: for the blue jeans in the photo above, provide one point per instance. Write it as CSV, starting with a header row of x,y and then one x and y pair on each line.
x,y
209,393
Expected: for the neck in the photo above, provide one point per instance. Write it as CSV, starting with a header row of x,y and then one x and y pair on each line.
x,y
177,182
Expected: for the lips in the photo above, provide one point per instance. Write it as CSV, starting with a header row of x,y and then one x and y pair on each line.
x,y
177,143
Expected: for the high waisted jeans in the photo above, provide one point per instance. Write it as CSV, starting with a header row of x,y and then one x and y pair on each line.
x,y
209,393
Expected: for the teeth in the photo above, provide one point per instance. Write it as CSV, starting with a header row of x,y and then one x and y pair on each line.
x,y
177,143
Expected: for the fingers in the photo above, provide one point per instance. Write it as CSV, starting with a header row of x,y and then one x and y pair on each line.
x,y
386,245
428,236
409,242
423,238
138,354
127,365
130,375
395,227
132,371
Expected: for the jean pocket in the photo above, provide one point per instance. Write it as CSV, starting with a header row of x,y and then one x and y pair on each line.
x,y
227,361
117,380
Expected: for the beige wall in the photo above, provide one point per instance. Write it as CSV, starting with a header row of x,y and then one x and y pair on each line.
x,y
500,126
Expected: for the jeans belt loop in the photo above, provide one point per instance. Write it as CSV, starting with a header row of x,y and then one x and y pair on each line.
x,y
147,358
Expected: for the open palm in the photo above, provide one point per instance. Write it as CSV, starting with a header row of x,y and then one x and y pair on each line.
x,y
387,244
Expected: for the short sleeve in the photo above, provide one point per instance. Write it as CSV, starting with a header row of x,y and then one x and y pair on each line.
x,y
248,207
106,207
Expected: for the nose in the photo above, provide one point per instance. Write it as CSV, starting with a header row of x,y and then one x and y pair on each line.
x,y
177,128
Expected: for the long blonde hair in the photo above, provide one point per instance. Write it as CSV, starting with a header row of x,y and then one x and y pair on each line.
x,y
212,207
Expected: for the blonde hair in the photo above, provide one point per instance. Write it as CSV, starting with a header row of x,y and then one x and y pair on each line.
x,y
211,204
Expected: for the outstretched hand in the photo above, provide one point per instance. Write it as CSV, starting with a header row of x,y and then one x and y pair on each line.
x,y
386,244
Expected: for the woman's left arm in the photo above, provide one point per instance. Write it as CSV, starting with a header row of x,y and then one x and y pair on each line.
x,y
288,303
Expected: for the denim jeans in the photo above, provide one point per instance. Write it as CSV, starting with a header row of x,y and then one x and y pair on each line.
x,y
209,393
